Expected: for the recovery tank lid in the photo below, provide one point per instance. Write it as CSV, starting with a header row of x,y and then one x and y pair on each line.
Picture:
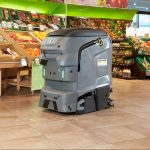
x,y
83,32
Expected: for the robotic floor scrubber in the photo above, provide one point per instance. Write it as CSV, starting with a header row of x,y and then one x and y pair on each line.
x,y
77,66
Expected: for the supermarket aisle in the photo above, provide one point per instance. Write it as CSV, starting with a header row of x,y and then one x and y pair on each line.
x,y
24,125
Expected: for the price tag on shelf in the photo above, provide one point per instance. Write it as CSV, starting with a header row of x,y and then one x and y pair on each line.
x,y
4,24
44,27
23,62
16,26
41,28
30,27
9,25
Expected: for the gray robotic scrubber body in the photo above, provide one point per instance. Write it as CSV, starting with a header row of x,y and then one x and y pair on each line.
x,y
77,66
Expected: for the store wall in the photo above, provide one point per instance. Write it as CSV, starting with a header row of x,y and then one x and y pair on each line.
x,y
140,26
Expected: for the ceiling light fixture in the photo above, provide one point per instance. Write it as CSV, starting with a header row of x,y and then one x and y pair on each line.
x,y
134,4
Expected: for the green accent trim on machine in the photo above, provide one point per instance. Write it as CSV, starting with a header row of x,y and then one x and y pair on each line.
x,y
100,12
62,73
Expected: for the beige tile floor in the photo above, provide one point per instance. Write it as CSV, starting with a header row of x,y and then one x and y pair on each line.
x,y
23,125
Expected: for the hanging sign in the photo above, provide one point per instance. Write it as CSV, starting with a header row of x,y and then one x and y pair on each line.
x,y
117,3
100,3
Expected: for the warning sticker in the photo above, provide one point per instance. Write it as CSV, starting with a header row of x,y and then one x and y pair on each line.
x,y
101,62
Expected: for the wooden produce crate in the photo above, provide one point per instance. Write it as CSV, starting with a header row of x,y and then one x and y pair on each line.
x,y
22,47
3,39
6,36
21,37
40,35
36,37
32,51
9,57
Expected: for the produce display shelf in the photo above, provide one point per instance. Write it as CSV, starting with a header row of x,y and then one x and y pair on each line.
x,y
120,47
145,39
25,83
13,35
118,40
23,41
5,43
27,43
143,55
127,78
22,83
123,56
141,52
10,64
122,65
10,59
140,62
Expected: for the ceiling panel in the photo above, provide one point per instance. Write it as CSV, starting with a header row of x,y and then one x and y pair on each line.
x,y
142,5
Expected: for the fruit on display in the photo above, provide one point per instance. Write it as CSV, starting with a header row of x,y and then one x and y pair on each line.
x,y
33,52
115,28
119,60
145,46
148,43
122,49
128,61
116,44
121,72
140,44
34,16
123,59
18,37
40,35
125,44
128,53
123,53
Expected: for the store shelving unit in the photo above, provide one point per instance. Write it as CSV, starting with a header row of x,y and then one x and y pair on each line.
x,y
25,42
123,59
21,48
142,60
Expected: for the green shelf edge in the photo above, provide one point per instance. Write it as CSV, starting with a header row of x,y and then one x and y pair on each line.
x,y
51,8
100,12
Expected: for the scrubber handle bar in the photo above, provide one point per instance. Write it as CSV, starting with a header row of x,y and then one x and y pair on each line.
x,y
83,47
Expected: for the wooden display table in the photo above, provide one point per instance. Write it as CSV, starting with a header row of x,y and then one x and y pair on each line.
x,y
6,65
21,83
24,49
35,73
